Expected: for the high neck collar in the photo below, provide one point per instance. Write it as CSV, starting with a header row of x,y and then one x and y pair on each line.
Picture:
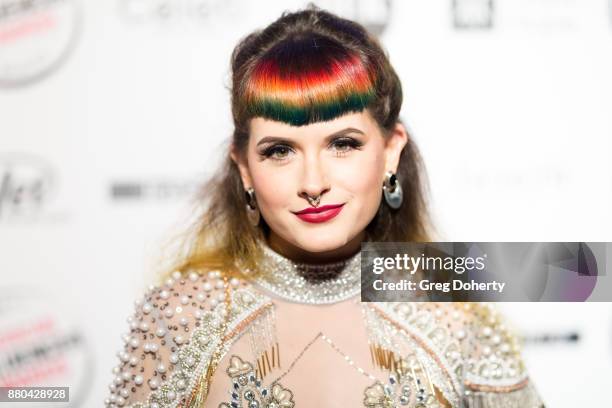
x,y
300,282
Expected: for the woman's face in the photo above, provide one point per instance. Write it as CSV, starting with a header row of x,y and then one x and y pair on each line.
x,y
342,160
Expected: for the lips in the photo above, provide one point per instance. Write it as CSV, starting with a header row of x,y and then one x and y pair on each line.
x,y
311,210
319,214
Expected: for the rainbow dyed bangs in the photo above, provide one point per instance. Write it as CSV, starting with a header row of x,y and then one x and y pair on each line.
x,y
308,80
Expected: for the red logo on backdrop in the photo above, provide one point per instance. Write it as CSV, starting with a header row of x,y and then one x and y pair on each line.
x,y
40,345
36,36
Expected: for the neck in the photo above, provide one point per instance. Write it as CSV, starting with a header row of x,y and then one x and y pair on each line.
x,y
296,276
300,255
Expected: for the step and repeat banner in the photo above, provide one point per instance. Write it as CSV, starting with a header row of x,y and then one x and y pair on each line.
x,y
113,112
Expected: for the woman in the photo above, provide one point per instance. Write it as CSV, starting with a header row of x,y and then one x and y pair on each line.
x,y
263,309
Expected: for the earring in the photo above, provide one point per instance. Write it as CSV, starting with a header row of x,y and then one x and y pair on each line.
x,y
252,210
392,191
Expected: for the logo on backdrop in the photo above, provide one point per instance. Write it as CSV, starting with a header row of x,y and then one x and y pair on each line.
x,y
373,14
548,338
168,10
41,345
472,14
27,185
36,36
152,190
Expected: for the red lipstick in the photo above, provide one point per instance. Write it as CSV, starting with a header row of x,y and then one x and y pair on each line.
x,y
319,214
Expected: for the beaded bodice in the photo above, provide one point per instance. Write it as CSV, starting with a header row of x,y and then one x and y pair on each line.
x,y
435,354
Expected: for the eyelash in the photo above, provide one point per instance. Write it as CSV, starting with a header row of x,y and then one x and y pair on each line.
x,y
348,142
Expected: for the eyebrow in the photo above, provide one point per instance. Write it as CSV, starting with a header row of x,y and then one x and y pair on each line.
x,y
342,132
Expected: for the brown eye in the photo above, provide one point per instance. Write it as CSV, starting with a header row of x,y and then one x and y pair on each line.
x,y
342,145
346,144
281,152
277,152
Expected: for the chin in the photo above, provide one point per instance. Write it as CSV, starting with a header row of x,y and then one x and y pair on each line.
x,y
321,243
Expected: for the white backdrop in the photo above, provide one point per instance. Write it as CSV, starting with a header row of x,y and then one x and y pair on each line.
x,y
508,100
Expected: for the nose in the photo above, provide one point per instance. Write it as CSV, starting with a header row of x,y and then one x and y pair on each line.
x,y
314,178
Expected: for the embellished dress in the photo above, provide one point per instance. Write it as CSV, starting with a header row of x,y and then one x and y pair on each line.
x,y
297,335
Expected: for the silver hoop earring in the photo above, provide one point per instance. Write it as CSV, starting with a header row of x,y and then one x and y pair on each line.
x,y
251,207
392,190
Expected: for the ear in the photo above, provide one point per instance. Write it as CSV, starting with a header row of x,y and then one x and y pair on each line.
x,y
243,167
394,144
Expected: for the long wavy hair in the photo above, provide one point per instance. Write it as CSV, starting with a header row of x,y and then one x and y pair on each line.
x,y
306,66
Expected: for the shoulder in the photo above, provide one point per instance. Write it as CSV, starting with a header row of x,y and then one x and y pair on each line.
x,y
492,348
489,346
494,369
174,333
475,344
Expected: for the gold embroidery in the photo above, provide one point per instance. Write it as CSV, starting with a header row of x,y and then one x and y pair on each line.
x,y
248,390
